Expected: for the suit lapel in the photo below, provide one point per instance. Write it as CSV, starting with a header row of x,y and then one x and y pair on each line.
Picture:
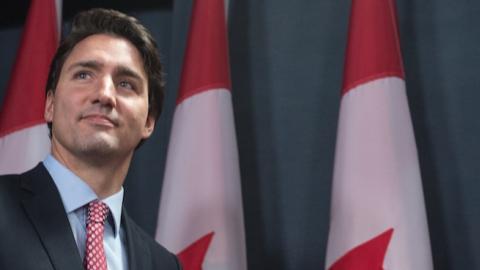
x,y
137,250
44,207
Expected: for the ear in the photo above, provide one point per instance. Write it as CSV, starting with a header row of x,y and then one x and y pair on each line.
x,y
49,106
149,126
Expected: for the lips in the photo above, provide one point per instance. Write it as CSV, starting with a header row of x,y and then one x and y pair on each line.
x,y
100,119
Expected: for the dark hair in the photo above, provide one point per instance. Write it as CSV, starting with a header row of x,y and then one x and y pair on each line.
x,y
112,22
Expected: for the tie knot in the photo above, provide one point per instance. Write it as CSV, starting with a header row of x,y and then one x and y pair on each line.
x,y
97,212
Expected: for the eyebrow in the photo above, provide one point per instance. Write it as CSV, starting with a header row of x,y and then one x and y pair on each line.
x,y
95,65
127,72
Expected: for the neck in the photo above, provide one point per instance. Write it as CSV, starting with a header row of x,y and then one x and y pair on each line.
x,y
105,175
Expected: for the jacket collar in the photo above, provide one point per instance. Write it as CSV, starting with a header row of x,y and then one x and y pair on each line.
x,y
44,207
137,249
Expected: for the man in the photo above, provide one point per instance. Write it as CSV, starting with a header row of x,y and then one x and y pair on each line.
x,y
104,94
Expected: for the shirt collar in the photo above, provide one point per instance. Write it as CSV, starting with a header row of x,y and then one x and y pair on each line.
x,y
75,193
114,202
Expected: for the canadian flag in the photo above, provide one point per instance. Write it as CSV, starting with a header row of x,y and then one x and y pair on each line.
x,y
23,132
378,218
201,216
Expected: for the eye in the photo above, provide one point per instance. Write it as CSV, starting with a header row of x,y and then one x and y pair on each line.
x,y
127,85
81,75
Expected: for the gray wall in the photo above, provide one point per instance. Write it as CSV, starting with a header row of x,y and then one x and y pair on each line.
x,y
287,60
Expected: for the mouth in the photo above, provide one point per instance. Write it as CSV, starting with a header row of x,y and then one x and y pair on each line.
x,y
100,120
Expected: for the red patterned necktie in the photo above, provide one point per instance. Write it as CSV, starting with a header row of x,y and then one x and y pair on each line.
x,y
94,253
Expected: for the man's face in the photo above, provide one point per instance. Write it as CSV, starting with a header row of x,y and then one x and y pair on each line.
x,y
100,106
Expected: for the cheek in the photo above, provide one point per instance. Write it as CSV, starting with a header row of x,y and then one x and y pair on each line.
x,y
65,107
137,110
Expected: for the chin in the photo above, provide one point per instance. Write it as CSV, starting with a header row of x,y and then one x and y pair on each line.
x,y
99,146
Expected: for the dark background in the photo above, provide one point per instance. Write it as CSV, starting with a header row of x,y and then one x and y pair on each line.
x,y
287,60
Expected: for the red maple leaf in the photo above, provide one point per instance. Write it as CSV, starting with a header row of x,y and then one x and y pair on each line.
x,y
367,256
192,256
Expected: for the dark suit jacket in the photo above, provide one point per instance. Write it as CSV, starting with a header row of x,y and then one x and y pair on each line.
x,y
35,232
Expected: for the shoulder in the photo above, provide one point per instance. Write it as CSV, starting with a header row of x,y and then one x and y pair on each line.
x,y
14,188
161,258
12,194
13,183
9,181
10,188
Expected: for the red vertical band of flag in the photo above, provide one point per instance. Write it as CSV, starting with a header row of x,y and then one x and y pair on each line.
x,y
378,218
205,64
23,132
369,57
25,97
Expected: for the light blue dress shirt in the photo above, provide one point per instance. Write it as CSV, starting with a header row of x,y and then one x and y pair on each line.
x,y
76,195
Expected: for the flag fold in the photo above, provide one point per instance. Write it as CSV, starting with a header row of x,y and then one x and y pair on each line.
x,y
378,218
201,213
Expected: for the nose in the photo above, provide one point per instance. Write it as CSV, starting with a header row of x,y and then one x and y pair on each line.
x,y
106,93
